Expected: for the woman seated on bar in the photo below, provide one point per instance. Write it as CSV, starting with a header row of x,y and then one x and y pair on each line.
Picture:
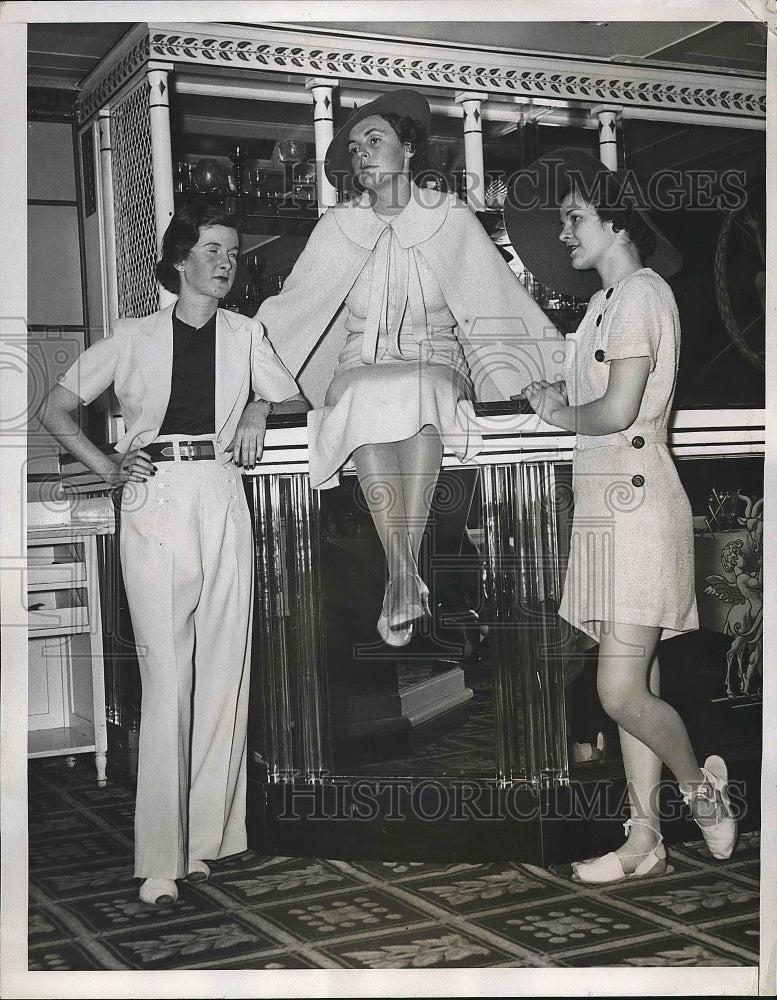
x,y
630,577
399,312
182,377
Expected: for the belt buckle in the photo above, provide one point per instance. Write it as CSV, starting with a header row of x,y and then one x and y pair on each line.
x,y
186,451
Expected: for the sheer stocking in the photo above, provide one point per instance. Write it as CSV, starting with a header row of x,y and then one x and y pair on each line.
x,y
651,731
398,480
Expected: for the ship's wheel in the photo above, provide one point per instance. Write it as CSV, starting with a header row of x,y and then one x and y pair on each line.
x,y
740,275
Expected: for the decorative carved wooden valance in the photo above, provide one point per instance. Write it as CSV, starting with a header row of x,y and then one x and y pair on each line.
x,y
354,59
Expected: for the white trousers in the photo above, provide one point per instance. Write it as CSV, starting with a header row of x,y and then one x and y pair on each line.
x,y
186,552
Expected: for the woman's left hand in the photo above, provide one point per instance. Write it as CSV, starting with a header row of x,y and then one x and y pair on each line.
x,y
544,399
248,443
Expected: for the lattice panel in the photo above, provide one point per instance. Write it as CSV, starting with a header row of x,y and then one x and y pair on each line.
x,y
133,199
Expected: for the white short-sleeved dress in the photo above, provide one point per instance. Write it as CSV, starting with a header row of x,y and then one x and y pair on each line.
x,y
631,552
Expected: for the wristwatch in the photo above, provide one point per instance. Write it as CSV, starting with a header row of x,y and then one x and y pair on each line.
x,y
270,406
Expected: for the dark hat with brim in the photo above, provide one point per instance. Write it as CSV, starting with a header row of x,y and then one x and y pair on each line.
x,y
404,102
532,220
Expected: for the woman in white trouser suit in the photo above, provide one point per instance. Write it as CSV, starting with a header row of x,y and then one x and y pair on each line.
x,y
183,377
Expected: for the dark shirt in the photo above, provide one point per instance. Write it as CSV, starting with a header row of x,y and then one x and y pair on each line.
x,y
192,405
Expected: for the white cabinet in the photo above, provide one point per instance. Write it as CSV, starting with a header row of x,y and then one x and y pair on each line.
x,y
66,701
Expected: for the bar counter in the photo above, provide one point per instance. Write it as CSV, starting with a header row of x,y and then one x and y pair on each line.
x,y
344,729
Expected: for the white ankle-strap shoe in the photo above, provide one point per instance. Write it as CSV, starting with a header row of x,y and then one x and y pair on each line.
x,y
711,808
609,868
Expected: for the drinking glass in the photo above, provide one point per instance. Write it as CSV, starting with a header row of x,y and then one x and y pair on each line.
x,y
291,152
257,183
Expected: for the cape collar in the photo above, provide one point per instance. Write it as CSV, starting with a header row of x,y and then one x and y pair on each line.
x,y
417,222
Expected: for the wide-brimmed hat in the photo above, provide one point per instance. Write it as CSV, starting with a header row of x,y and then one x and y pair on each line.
x,y
404,102
531,214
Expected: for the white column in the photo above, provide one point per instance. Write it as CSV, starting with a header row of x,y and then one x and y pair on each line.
x,y
608,115
324,130
473,148
108,218
161,157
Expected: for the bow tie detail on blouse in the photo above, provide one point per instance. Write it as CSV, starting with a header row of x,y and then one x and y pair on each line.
x,y
395,288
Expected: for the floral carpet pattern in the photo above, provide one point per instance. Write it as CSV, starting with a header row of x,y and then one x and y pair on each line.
x,y
259,912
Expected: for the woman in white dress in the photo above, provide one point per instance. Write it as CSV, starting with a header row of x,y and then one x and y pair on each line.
x,y
399,312
630,579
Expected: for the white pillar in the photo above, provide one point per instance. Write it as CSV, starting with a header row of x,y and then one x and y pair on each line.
x,y
161,157
608,115
108,218
324,130
473,148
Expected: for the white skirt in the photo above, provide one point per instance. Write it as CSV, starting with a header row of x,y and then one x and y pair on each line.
x,y
389,401
631,556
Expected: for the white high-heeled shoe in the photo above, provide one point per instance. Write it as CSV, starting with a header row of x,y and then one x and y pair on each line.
x,y
711,808
396,627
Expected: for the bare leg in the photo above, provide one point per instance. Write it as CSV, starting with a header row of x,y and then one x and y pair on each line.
x,y
651,731
642,768
625,654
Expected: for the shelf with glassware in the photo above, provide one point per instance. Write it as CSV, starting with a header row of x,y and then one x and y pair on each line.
x,y
278,207
273,199
277,204
564,311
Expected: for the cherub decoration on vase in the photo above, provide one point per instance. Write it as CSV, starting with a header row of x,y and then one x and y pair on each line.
x,y
741,586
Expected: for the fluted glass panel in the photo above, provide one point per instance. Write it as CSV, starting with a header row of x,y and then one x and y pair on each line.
x,y
306,645
503,590
288,710
271,711
114,701
523,582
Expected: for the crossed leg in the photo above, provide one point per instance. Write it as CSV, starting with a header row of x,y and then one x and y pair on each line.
x,y
398,480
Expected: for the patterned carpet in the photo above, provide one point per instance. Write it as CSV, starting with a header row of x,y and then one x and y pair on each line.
x,y
280,913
